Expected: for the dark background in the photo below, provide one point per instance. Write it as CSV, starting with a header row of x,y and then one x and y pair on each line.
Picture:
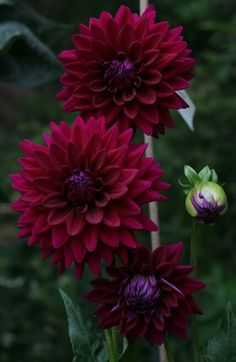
x,y
33,323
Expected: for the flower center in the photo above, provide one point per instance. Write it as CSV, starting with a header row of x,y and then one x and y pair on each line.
x,y
80,187
119,74
142,293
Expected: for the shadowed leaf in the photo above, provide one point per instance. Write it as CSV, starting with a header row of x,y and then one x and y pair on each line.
x,y
77,332
222,347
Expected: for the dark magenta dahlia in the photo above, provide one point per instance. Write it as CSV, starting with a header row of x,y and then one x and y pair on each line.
x,y
82,193
127,68
149,295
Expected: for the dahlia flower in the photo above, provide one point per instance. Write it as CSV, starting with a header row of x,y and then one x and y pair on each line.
x,y
149,295
127,68
206,202
82,193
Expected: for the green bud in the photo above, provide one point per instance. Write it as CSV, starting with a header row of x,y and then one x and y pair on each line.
x,y
206,202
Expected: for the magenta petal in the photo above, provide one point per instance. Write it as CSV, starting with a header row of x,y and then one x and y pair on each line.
x,y
117,191
91,238
54,200
33,240
111,218
131,109
127,175
68,256
79,269
132,223
110,236
94,215
127,238
59,236
40,225
147,223
58,216
146,95
74,223
106,254
44,185
93,261
78,249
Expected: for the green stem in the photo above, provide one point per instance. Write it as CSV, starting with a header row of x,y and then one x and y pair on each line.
x,y
112,348
169,354
115,341
194,247
194,255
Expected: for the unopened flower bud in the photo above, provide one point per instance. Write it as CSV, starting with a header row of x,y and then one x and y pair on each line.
x,y
206,202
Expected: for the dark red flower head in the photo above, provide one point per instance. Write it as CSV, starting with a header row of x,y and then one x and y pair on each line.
x,y
127,68
82,193
148,296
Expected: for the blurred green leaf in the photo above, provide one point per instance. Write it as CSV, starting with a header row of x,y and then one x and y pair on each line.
x,y
28,61
77,332
127,354
8,35
48,30
6,2
27,45
222,348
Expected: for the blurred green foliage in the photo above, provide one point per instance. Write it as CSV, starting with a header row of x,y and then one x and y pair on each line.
x,y
33,322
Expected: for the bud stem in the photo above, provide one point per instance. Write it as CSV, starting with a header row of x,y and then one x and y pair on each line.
x,y
194,255
194,247
168,351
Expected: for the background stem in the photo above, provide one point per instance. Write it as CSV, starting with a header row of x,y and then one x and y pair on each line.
x,y
194,256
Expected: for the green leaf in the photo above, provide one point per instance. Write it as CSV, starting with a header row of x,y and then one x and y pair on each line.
x,y
127,354
78,334
222,348
6,2
100,352
49,31
28,61
8,34
205,174
191,175
214,176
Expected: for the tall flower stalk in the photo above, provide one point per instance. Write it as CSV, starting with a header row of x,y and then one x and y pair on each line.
x,y
194,261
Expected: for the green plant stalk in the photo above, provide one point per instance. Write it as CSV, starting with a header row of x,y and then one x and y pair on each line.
x,y
169,354
115,341
194,247
194,255
110,346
